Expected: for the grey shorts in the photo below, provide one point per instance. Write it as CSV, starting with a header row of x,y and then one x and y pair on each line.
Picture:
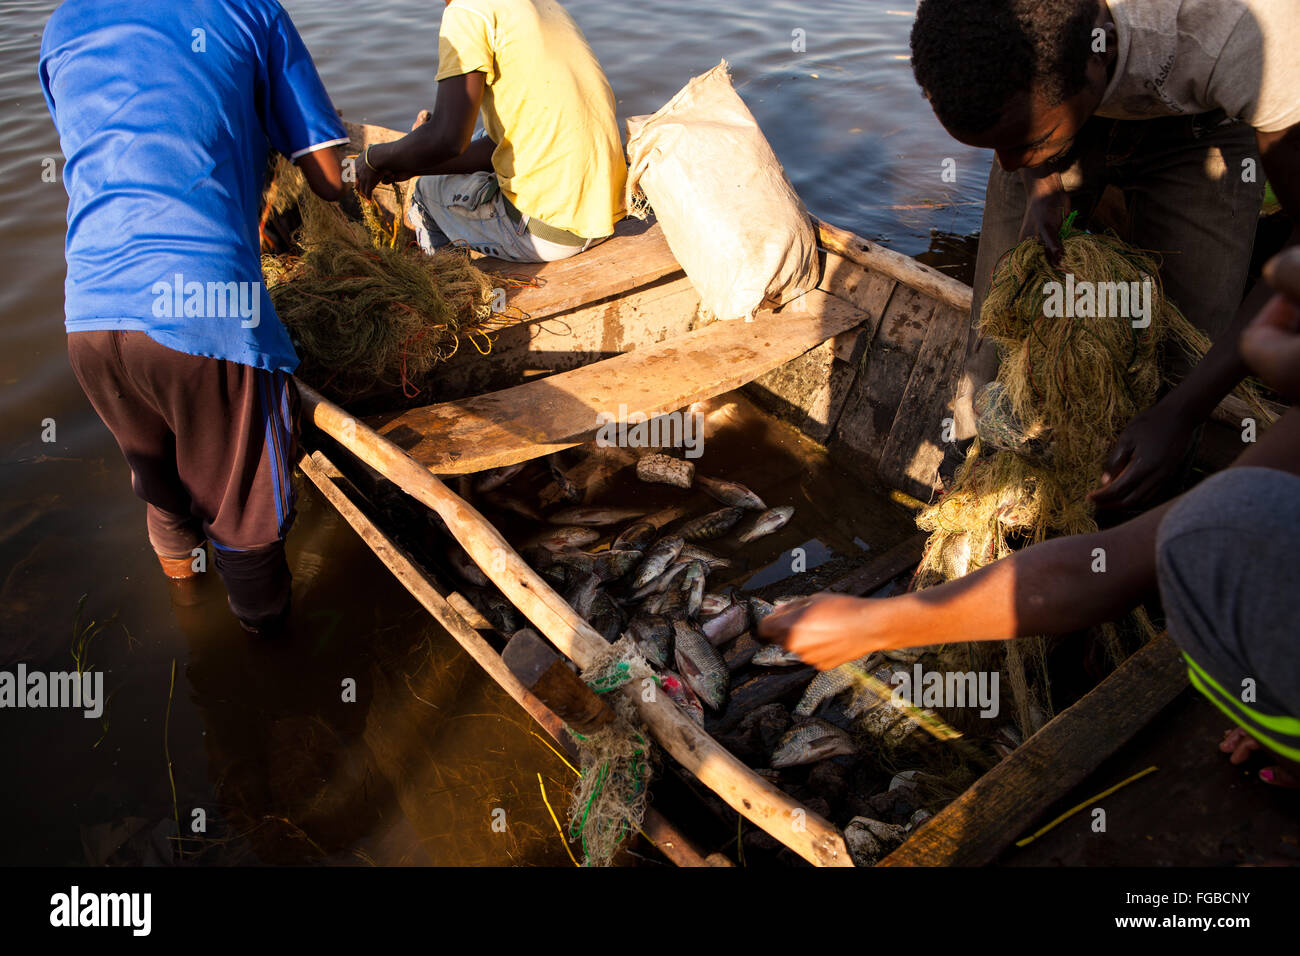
x,y
1229,577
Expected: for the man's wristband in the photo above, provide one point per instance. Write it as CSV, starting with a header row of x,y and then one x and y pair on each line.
x,y
365,156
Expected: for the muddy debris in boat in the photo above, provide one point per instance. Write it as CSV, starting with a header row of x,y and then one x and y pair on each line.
x,y
665,470
762,688
870,841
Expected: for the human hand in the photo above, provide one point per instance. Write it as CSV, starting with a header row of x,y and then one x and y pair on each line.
x,y
825,630
369,173
1145,456
1270,345
1046,208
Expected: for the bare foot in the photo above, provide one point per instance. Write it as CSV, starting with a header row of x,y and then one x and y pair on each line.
x,y
1242,745
421,118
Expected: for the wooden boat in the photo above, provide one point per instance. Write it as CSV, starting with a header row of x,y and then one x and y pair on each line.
x,y
866,365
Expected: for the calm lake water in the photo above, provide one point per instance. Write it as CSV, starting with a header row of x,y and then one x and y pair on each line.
x,y
256,740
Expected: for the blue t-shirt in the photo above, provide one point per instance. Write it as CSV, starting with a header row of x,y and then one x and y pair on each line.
x,y
165,111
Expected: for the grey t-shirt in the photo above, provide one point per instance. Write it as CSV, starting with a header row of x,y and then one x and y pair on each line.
x,y
1180,57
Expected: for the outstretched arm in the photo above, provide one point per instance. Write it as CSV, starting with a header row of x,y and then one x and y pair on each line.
x,y
428,147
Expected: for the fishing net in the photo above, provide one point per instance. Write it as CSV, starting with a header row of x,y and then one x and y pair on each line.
x,y
1066,388
610,800
366,309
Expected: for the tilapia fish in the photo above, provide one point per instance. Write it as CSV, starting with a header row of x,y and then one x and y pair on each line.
x,y
700,665
774,655
712,604
693,585
570,537
766,523
491,480
653,636
810,741
582,595
731,493
714,561
661,554
829,683
712,525
635,537
594,517
660,584
680,693
723,627
612,565
665,470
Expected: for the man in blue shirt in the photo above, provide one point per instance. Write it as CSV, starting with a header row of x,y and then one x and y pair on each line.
x,y
165,113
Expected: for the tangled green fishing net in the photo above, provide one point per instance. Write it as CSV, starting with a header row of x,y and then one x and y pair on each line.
x,y
610,800
366,309
1066,388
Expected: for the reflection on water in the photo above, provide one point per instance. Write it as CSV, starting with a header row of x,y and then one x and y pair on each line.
x,y
260,738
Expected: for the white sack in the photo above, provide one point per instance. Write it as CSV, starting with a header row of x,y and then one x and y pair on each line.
x,y
729,214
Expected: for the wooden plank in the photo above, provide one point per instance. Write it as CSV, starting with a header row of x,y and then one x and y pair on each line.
x,y
318,468
909,272
868,415
1005,802
809,391
883,568
535,419
914,450
802,830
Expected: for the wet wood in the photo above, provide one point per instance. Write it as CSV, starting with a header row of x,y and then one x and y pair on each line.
x,y
883,568
812,837
322,473
915,275
916,444
1007,801
558,412
545,674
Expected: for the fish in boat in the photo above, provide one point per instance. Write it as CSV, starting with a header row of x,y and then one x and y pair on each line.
x,y
766,523
570,537
680,693
700,665
712,525
831,683
494,479
635,537
810,741
723,627
660,554
653,635
731,493
594,517
774,655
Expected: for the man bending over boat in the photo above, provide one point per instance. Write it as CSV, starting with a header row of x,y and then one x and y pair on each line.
x,y
1222,557
165,113
1175,102
547,180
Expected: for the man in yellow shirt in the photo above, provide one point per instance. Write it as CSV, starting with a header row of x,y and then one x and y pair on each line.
x,y
548,178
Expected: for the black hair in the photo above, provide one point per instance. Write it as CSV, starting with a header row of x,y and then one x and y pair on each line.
x,y
971,56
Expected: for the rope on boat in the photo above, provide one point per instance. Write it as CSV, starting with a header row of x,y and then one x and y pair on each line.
x,y
609,802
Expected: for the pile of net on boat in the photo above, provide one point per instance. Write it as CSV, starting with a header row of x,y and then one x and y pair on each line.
x,y
367,309
1068,385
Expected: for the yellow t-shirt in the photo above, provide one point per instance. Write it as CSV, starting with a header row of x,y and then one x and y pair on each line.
x,y
547,106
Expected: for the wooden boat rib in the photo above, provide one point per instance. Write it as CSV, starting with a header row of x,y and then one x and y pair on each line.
x,y
867,365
